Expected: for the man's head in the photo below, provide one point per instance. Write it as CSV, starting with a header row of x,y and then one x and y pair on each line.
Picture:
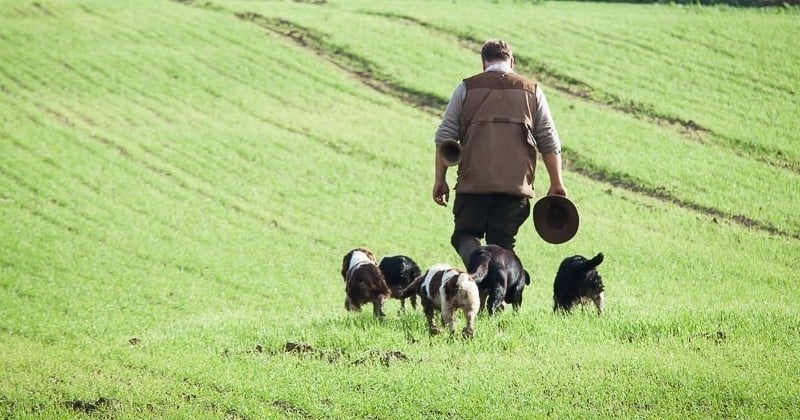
x,y
496,50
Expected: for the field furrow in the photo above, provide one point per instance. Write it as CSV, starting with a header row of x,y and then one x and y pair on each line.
x,y
667,186
179,181
587,52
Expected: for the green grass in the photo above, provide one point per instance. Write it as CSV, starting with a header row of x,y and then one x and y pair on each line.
x,y
691,63
662,158
179,183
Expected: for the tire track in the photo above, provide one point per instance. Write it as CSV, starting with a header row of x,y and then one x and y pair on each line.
x,y
29,206
160,171
359,67
343,149
364,70
240,205
40,199
96,197
585,167
687,128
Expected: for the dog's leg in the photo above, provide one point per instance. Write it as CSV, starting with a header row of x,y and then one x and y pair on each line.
x,y
516,300
348,304
447,318
560,306
414,302
495,303
563,306
432,328
482,295
470,314
598,300
377,307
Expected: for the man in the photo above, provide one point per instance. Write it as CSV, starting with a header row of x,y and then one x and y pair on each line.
x,y
499,119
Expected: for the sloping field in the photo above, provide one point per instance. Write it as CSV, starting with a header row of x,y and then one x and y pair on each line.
x,y
179,181
659,138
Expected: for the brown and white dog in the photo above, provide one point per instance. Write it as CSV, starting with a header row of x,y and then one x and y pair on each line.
x,y
363,281
447,290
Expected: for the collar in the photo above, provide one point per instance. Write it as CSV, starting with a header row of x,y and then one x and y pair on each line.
x,y
500,66
356,266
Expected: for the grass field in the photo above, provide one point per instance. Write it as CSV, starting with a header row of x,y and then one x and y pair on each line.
x,y
179,181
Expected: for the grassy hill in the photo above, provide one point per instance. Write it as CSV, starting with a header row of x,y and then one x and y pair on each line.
x,y
179,181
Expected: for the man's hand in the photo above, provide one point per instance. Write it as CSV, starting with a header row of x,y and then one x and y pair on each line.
x,y
557,189
441,193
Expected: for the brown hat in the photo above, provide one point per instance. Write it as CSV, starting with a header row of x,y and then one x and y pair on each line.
x,y
555,219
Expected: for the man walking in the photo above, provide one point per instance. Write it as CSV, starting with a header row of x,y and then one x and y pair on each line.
x,y
500,120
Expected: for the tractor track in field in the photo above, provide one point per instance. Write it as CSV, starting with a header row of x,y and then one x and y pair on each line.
x,y
355,65
688,129
368,74
361,68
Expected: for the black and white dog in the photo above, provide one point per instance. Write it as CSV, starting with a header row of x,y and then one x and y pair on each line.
x,y
445,289
399,271
578,282
499,275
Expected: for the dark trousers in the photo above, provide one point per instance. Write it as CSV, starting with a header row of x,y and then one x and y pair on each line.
x,y
494,216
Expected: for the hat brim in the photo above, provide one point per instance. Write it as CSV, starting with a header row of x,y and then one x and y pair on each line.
x,y
556,219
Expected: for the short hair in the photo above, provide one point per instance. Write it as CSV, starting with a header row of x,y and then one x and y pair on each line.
x,y
495,50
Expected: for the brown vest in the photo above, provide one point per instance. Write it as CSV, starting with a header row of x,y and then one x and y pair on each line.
x,y
498,150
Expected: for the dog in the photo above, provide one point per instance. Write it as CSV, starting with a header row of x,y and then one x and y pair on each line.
x,y
500,276
578,282
399,271
364,282
447,290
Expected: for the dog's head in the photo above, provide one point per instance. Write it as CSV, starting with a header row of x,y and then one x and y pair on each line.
x,y
355,257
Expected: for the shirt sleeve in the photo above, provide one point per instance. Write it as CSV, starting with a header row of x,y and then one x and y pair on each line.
x,y
544,129
449,127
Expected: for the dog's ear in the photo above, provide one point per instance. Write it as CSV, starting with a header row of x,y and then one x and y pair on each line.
x,y
346,264
527,277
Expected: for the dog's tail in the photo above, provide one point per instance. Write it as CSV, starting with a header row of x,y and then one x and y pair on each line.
x,y
594,262
479,264
413,288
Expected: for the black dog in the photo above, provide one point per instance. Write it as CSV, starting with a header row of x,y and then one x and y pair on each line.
x,y
399,271
499,275
578,282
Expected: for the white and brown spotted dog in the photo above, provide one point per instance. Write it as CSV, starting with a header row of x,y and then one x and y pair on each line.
x,y
447,290
363,281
